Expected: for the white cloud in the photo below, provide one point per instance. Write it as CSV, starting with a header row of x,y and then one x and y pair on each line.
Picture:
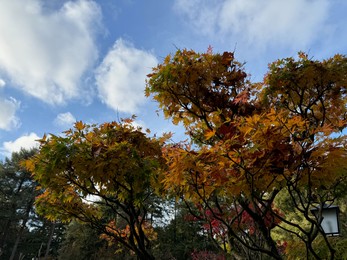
x,y
2,83
140,125
65,119
8,118
294,23
121,76
46,53
26,141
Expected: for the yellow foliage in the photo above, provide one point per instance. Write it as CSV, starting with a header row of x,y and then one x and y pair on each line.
x,y
79,125
209,134
110,164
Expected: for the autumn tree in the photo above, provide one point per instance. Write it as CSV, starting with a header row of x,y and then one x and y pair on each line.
x,y
104,176
253,141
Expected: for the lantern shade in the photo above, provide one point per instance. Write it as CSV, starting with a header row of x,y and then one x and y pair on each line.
x,y
330,216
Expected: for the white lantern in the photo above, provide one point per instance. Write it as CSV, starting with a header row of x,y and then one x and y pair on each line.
x,y
330,216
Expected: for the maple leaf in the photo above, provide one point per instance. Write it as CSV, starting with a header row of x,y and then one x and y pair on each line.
x,y
241,98
209,134
43,139
79,125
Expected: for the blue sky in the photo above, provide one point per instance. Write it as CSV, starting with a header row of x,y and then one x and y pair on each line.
x,y
62,61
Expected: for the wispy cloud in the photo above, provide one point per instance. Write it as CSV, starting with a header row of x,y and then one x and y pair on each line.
x,y
121,76
2,83
294,24
8,118
65,120
43,53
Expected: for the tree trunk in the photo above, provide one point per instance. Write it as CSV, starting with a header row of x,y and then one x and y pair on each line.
x,y
19,236
20,232
49,240
4,234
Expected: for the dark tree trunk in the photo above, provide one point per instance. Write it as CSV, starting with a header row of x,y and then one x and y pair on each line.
x,y
20,232
49,240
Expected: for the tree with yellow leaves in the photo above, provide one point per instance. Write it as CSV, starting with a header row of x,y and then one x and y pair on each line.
x,y
252,142
105,176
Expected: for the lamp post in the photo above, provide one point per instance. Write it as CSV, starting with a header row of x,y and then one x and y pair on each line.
x,y
330,219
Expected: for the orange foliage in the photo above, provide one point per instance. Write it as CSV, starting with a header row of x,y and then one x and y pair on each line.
x,y
253,140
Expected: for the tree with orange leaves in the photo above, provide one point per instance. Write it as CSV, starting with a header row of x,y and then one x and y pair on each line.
x,y
252,142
